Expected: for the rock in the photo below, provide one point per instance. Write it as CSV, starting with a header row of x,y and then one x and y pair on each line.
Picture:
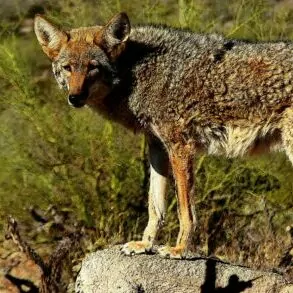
x,y
109,271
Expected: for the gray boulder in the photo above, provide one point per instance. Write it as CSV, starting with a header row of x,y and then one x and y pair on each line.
x,y
108,271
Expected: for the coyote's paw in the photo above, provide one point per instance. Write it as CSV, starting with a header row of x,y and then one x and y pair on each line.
x,y
136,247
177,252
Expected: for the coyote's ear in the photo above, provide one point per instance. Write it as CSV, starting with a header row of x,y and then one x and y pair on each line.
x,y
114,34
49,36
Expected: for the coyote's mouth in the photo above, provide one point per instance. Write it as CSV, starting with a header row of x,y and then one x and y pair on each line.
x,y
77,105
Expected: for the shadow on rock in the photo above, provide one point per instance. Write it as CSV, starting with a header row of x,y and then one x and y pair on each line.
x,y
234,285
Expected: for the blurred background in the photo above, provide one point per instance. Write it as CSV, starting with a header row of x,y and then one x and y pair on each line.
x,y
63,169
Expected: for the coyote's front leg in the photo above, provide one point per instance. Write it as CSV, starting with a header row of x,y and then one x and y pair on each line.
x,y
181,161
158,181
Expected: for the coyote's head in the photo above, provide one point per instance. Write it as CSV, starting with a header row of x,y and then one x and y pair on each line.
x,y
83,59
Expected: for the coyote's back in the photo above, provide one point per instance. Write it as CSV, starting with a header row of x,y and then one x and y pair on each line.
x,y
223,96
187,92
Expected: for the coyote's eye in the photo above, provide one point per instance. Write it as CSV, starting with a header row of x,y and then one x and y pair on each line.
x,y
92,67
67,67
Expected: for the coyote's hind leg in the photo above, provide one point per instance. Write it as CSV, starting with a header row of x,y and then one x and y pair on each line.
x,y
181,161
158,181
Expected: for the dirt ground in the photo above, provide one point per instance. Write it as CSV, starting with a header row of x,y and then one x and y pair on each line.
x,y
16,264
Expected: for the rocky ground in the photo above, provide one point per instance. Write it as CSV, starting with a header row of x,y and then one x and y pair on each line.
x,y
16,264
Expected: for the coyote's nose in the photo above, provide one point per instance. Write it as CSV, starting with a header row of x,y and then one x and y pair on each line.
x,y
77,101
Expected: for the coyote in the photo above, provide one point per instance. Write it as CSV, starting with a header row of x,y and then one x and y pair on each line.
x,y
188,93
